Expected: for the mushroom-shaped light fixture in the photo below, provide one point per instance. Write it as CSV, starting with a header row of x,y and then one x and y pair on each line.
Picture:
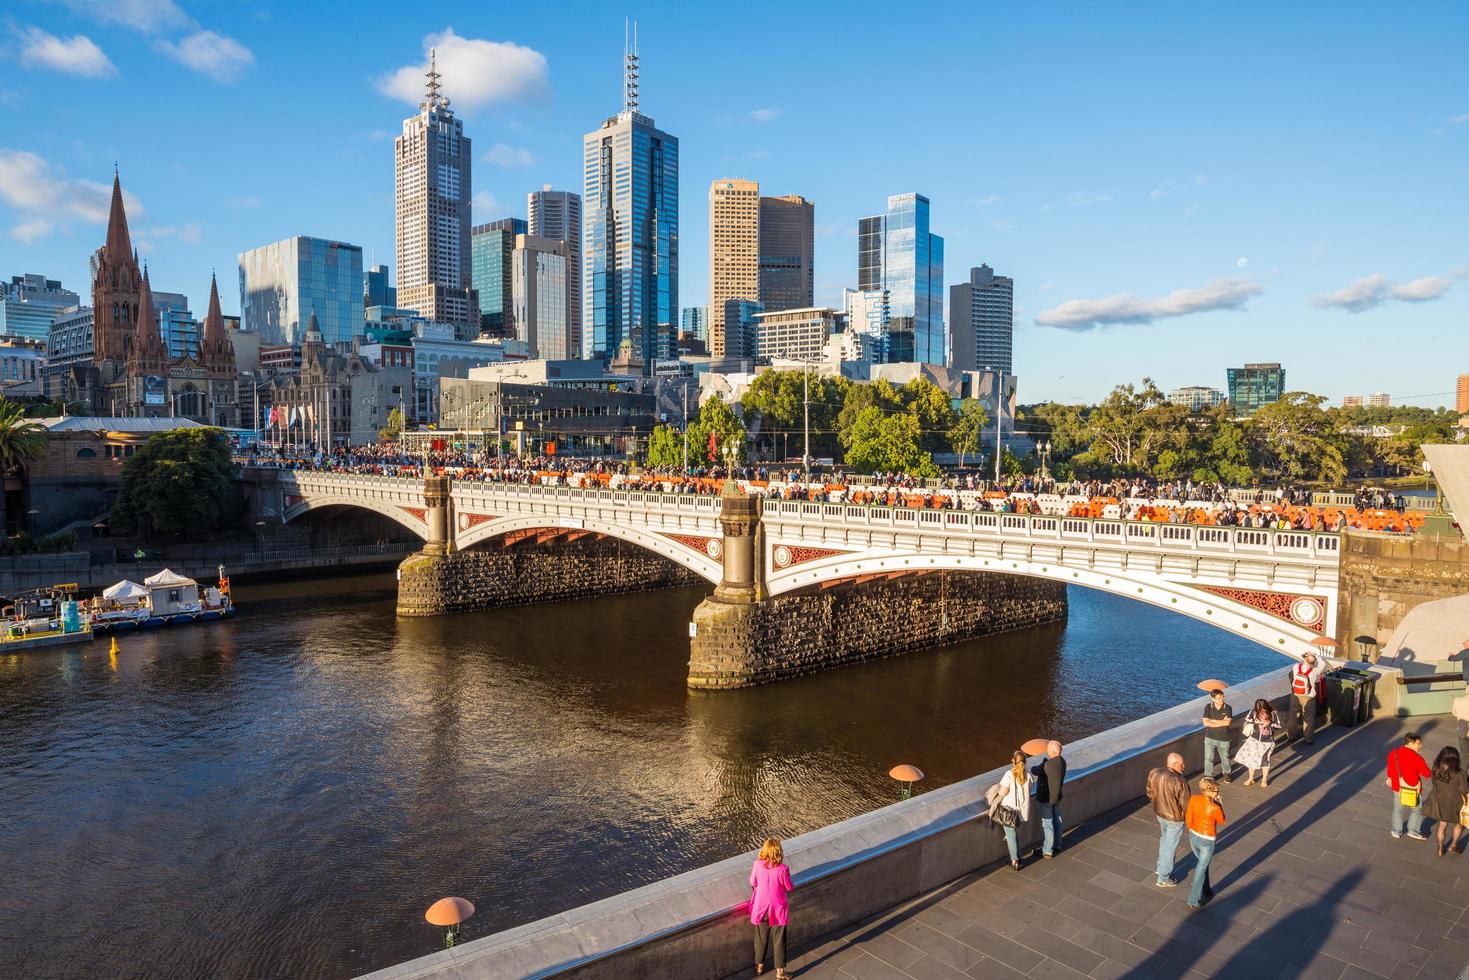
x,y
449,913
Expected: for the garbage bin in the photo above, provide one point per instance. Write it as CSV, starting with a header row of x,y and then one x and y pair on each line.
x,y
1367,685
1344,691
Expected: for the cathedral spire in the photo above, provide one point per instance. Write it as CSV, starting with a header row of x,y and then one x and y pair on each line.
x,y
216,352
148,351
119,245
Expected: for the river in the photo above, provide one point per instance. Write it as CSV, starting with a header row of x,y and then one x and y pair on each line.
x,y
284,794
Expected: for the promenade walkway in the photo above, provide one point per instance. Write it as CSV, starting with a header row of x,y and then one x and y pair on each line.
x,y
1308,883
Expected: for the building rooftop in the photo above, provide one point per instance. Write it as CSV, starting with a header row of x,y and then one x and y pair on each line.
x,y
117,423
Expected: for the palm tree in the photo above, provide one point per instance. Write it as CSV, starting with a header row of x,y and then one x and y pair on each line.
x,y
22,442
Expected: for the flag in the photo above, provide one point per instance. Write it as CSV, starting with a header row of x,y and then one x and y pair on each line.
x,y
713,446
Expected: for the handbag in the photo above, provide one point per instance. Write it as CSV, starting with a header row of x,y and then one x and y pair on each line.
x,y
1408,796
1464,811
1007,816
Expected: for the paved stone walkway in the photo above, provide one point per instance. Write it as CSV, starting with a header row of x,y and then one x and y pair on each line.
x,y
1308,883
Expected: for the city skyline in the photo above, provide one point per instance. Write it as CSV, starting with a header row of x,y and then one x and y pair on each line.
x,y
1247,205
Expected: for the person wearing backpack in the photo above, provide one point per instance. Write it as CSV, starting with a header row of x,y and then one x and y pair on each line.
x,y
1406,772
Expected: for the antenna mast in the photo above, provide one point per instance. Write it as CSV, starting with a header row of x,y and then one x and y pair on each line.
x,y
629,69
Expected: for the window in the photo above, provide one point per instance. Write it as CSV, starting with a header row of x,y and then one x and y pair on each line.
x,y
86,454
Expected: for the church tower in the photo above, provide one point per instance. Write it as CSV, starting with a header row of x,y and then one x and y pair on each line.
x,y
116,290
216,352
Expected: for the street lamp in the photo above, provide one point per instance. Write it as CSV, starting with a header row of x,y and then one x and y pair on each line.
x,y
906,775
500,411
1045,449
449,913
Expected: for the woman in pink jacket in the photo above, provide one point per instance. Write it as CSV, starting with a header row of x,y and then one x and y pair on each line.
x,y
771,881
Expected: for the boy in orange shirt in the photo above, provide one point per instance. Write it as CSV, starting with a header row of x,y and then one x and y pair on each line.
x,y
1203,819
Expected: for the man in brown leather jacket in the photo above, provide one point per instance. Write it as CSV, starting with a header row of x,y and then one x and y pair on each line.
x,y
1168,789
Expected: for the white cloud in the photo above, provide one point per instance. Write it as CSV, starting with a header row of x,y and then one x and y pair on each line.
x,y
45,196
215,55
1452,121
765,115
1372,291
76,55
1158,193
188,234
1241,262
149,16
1046,287
249,201
475,72
484,203
504,155
1088,314
29,231
1080,199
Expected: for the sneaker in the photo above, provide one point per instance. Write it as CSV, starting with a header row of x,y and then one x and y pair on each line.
x,y
1416,836
1194,908
1166,883
1396,835
1226,779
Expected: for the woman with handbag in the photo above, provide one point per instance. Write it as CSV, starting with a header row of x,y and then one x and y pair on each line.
x,y
1254,753
1013,811
770,883
1446,795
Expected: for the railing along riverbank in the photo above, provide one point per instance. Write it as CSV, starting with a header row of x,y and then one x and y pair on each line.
x,y
694,926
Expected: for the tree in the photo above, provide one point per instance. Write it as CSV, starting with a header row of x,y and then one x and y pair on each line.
x,y
1294,440
778,400
22,442
394,428
933,409
179,482
887,442
717,418
665,447
968,428
880,394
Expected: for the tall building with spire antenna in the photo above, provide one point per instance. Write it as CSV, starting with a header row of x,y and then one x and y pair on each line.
x,y
433,197
630,232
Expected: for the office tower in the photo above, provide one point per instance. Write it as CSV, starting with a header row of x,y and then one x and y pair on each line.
x,y
739,328
797,335
492,251
176,324
557,215
630,234
982,322
377,287
867,319
433,193
1351,401
1379,399
1255,385
1196,398
787,253
695,322
1461,396
29,303
283,283
734,253
541,296
897,253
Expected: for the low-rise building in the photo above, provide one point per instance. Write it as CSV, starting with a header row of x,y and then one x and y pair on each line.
x,y
798,335
1196,398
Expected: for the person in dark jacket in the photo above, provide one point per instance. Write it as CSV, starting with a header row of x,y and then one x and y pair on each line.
x,y
1050,774
1168,789
1444,796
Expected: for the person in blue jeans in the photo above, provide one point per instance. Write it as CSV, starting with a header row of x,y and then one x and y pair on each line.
x,y
1205,816
1168,790
1217,718
1050,774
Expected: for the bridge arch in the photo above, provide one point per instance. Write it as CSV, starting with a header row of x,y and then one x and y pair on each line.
x,y
296,506
1285,636
677,548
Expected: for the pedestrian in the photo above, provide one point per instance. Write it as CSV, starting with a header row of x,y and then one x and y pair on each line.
x,y
1050,774
1014,805
1169,792
770,880
1304,678
1205,814
1217,717
1406,771
1462,659
1254,752
1448,794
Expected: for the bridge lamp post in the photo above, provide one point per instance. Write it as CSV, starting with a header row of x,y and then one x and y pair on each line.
x,y
500,411
1045,449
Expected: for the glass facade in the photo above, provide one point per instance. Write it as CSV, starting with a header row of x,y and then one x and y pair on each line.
x,y
377,288
176,325
696,322
898,254
29,303
491,248
542,297
630,240
282,284
1254,386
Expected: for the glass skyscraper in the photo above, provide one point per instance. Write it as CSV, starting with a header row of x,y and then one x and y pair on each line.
x,y
630,235
283,283
1254,386
491,247
897,254
29,303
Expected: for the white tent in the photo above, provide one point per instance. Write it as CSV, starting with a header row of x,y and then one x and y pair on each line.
x,y
125,591
167,579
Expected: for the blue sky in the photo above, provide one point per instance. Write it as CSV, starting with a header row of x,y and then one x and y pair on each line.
x,y
1174,188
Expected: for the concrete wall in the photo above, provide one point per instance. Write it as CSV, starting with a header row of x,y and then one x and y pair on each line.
x,y
695,926
739,645
1383,577
491,576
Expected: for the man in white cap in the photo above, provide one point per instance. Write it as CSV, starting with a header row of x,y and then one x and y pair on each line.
x,y
1304,677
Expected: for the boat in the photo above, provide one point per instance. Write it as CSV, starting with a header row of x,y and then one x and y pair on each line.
x,y
160,600
43,618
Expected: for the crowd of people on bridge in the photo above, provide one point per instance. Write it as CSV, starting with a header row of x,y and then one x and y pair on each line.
x,y
1156,501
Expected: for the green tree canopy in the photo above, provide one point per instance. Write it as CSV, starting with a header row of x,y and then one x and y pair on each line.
x,y
778,400
22,440
179,482
1296,441
665,447
717,418
888,442
969,427
934,411
394,427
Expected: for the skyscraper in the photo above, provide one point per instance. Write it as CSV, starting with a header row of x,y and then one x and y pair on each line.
x,y
492,249
541,296
1254,386
283,283
787,253
557,215
433,193
734,256
377,287
29,303
1461,395
982,322
897,253
696,322
630,233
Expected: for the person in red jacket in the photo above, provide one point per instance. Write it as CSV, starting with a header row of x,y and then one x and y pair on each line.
x,y
1406,772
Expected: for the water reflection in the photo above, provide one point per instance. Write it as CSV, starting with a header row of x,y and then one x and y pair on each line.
x,y
183,811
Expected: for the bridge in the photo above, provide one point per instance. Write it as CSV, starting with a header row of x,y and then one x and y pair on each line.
x,y
1279,588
